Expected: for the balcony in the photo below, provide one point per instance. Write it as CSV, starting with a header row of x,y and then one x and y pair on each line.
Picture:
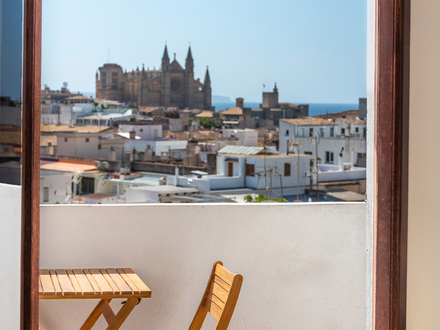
x,y
304,265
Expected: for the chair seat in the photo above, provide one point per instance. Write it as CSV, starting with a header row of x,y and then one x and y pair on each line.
x,y
94,283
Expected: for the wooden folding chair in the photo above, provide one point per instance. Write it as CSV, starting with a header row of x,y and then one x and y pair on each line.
x,y
220,298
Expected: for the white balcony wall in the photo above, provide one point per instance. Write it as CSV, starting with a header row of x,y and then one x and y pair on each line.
x,y
10,246
303,265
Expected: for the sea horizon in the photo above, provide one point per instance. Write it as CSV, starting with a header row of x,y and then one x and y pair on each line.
x,y
314,108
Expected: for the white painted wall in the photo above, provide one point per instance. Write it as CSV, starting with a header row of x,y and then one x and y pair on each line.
x,y
67,116
334,145
423,290
303,265
145,132
157,146
288,130
241,180
246,137
10,247
59,186
77,146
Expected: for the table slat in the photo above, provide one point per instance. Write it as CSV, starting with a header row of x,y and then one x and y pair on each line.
x,y
46,283
40,287
106,289
55,282
66,285
136,280
92,281
84,283
122,285
127,280
114,286
74,282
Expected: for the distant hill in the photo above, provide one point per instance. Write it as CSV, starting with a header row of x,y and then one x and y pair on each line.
x,y
220,99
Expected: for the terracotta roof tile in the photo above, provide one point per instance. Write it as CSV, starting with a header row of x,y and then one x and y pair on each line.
x,y
205,114
233,111
309,121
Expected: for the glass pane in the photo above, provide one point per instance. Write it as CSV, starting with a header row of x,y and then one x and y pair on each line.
x,y
279,114
10,90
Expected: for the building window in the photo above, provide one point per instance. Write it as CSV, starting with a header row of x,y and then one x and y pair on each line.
x,y
356,129
332,131
342,131
87,140
308,153
99,147
114,189
329,157
142,130
65,139
311,131
287,132
46,195
87,185
287,167
250,170
321,131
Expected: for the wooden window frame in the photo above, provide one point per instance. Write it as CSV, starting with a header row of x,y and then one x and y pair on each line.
x,y
390,200
289,167
250,172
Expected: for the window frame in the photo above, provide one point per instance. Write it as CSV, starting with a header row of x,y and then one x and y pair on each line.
x,y
250,169
390,184
289,167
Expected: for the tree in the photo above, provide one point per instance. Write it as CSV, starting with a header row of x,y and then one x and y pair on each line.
x,y
261,198
206,122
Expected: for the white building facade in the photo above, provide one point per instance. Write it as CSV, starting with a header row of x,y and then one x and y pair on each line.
x,y
246,137
326,139
145,132
89,145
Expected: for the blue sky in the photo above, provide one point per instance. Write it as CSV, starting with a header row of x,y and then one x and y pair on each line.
x,y
315,50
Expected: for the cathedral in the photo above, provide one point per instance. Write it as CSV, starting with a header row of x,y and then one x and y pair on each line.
x,y
171,86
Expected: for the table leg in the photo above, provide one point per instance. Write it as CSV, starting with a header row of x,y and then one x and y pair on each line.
x,y
122,315
94,316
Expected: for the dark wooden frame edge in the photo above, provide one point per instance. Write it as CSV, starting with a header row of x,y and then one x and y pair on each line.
x,y
391,164
30,240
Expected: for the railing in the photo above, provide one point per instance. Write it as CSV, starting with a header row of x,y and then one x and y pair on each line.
x,y
303,264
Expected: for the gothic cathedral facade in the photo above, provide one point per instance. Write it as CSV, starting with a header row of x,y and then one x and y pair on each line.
x,y
172,86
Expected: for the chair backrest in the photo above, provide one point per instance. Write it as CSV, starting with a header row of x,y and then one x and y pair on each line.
x,y
220,298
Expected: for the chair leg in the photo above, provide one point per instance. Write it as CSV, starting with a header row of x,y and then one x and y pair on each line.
x,y
122,315
94,316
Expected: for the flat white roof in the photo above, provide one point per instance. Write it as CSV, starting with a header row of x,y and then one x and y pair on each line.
x,y
167,189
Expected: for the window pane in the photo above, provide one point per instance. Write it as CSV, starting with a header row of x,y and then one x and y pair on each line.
x,y
202,118
10,90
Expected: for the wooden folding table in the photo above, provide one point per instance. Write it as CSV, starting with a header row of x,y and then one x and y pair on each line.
x,y
104,284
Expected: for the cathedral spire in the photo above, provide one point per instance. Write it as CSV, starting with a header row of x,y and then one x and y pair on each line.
x,y
165,53
189,61
165,59
189,56
207,78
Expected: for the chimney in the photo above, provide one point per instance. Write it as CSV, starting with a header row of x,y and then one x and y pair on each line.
x,y
132,135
